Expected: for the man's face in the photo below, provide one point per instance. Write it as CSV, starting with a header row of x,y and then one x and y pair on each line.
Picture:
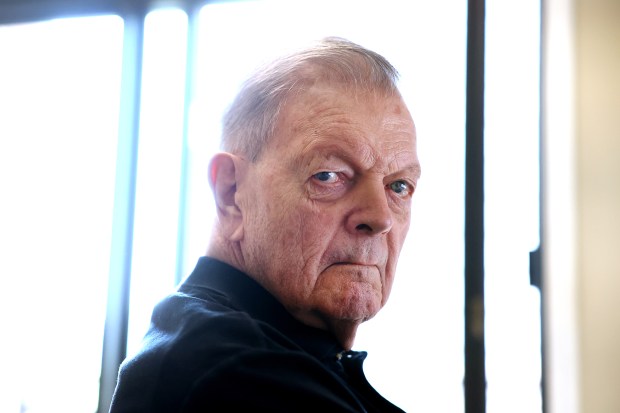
x,y
326,207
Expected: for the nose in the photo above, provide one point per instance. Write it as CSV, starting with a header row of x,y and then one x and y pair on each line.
x,y
371,214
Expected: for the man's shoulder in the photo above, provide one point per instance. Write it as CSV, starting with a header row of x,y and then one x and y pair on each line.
x,y
210,327
202,351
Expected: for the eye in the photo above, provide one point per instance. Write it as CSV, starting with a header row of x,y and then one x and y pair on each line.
x,y
326,176
401,188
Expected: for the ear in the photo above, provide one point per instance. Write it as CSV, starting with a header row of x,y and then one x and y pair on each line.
x,y
225,170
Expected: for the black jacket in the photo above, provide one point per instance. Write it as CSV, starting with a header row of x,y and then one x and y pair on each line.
x,y
222,343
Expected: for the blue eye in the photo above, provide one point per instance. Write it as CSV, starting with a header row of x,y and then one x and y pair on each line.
x,y
400,187
326,176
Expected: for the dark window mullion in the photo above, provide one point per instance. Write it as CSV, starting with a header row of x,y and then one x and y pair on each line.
x,y
475,376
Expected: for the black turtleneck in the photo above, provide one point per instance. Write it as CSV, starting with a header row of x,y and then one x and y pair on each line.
x,y
223,343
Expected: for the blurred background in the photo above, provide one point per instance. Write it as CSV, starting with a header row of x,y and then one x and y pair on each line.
x,y
110,110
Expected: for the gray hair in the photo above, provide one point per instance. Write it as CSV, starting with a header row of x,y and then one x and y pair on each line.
x,y
251,119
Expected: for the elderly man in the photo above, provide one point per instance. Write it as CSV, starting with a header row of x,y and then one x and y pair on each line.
x,y
313,196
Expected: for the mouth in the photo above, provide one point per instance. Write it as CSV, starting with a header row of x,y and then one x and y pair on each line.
x,y
360,259
347,263
351,263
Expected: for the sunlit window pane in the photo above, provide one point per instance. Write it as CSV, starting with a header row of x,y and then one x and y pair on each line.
x,y
159,166
59,99
416,344
513,357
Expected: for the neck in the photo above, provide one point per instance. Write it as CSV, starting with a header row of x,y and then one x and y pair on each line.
x,y
223,250
344,331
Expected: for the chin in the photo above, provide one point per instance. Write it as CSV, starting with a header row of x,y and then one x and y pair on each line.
x,y
355,308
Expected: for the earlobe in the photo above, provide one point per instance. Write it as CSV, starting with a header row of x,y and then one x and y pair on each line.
x,y
224,173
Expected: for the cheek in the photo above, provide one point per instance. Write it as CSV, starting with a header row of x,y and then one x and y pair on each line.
x,y
399,234
318,228
388,282
294,233
395,245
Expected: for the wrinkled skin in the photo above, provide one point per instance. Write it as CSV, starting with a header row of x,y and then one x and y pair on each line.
x,y
320,218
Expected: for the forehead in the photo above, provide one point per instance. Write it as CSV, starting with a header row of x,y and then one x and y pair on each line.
x,y
369,124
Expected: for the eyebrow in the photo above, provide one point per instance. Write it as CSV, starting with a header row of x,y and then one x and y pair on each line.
x,y
338,151
416,170
333,149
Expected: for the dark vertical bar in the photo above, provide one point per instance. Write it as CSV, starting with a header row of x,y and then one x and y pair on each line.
x,y
116,323
475,380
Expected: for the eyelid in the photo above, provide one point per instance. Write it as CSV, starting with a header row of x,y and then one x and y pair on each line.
x,y
336,166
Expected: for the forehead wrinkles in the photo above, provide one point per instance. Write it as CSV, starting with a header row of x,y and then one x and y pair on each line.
x,y
369,127
326,101
319,116
334,132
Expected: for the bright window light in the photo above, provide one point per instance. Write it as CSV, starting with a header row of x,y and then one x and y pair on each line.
x,y
416,343
59,99
159,166
513,347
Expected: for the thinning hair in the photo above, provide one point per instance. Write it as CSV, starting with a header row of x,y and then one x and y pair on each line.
x,y
251,119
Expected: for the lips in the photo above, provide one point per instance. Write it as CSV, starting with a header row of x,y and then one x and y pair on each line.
x,y
365,255
353,263
353,266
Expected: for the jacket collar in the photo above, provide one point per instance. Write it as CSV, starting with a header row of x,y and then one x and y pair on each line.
x,y
245,294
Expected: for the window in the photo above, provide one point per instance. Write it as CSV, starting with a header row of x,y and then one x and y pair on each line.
x,y
59,97
513,346
159,171
426,283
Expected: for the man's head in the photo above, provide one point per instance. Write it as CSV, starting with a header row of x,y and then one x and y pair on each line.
x,y
313,194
